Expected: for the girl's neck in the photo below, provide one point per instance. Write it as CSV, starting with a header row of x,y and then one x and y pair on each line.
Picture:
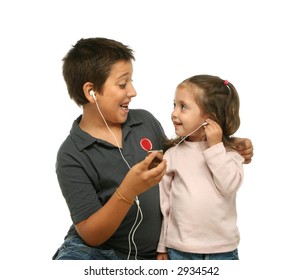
x,y
196,138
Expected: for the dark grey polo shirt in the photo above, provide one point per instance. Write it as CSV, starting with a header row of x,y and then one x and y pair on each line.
x,y
90,169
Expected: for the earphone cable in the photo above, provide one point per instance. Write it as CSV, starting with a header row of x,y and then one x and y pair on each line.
x,y
183,139
131,234
139,210
117,143
132,239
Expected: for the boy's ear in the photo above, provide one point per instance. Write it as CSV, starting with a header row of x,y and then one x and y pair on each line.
x,y
88,92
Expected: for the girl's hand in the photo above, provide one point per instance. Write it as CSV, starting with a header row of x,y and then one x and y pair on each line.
x,y
162,256
213,132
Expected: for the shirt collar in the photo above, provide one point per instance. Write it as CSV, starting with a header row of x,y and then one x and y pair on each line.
x,y
82,139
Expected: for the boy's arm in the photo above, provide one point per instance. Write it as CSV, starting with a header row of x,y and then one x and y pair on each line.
x,y
100,226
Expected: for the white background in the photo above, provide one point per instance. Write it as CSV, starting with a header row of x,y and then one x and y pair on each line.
x,y
256,45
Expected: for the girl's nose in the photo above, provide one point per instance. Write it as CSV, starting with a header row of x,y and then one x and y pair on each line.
x,y
174,113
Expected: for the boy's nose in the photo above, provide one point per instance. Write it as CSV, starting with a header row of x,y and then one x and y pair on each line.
x,y
132,91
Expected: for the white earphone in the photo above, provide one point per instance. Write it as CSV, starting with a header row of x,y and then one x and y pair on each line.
x,y
92,94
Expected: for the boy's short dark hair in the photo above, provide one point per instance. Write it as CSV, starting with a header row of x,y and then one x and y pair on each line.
x,y
91,60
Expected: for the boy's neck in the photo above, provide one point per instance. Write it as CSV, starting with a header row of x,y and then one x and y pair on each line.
x,y
94,126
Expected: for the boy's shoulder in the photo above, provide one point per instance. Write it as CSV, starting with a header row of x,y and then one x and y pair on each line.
x,y
141,115
141,112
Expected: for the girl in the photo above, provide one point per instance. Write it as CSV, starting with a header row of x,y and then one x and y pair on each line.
x,y
204,172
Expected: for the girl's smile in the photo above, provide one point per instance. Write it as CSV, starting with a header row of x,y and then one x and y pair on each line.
x,y
187,116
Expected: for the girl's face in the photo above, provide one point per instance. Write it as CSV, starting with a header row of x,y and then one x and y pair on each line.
x,y
117,92
187,116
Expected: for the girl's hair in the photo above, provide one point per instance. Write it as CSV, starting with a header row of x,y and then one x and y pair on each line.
x,y
91,60
219,100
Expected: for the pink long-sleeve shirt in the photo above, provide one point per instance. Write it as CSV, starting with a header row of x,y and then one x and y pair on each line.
x,y
198,198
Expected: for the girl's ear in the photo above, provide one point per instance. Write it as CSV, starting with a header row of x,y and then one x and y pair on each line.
x,y
205,116
87,90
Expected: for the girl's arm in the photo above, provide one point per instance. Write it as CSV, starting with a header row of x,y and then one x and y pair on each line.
x,y
243,146
226,168
164,191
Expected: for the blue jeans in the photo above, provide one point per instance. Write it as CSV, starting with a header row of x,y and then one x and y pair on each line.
x,y
179,255
74,248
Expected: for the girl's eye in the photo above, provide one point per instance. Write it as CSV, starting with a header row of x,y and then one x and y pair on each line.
x,y
184,107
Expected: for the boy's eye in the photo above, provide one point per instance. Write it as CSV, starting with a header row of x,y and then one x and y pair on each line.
x,y
124,83
122,86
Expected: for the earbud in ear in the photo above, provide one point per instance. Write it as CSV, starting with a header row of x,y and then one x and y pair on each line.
x,y
92,94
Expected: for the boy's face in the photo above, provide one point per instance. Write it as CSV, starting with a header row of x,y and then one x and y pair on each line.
x,y
187,115
117,92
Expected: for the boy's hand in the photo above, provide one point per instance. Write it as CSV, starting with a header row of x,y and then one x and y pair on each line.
x,y
140,178
245,148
